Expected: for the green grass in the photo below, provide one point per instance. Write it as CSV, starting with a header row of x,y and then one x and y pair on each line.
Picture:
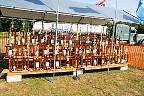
x,y
116,83
3,34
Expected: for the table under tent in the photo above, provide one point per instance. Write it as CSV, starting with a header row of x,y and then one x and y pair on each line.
x,y
56,50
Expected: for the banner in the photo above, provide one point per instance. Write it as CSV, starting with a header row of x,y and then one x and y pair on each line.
x,y
140,10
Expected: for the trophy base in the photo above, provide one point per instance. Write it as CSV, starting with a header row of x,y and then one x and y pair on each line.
x,y
76,78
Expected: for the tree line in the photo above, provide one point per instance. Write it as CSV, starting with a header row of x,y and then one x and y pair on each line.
x,y
5,25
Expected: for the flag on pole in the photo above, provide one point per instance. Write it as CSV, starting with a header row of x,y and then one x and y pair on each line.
x,y
140,10
101,3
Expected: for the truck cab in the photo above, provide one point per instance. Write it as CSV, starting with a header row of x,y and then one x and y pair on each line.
x,y
125,33
122,32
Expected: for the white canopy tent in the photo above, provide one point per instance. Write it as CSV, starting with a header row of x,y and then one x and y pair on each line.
x,y
69,11
46,9
62,10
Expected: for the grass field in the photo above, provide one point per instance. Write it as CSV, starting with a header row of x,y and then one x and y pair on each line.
x,y
116,83
3,34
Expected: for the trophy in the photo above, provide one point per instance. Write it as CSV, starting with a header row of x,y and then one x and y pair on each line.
x,y
95,62
19,38
25,67
25,52
28,38
47,64
10,52
14,68
14,51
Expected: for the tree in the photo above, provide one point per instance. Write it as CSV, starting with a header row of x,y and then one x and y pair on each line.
x,y
5,25
140,29
109,28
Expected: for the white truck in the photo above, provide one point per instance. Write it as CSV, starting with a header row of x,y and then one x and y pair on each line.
x,y
129,34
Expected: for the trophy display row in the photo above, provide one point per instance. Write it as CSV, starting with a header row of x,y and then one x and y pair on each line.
x,y
27,51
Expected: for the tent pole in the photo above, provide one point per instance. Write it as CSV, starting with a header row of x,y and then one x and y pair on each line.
x,y
0,24
43,22
101,38
76,61
55,52
112,43
113,35
79,43
101,48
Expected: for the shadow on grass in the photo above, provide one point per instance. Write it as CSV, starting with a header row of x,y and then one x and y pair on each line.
x,y
3,65
3,62
65,73
101,70
46,75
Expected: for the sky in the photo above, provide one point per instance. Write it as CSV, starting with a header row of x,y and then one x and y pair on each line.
x,y
127,5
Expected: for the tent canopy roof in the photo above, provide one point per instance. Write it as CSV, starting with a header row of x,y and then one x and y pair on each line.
x,y
69,11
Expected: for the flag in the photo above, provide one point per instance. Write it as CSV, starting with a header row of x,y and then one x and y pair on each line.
x,y
101,3
140,10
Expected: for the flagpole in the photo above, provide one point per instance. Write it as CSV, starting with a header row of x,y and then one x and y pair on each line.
x,y
113,36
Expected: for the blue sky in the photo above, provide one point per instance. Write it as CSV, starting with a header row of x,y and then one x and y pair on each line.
x,y
127,5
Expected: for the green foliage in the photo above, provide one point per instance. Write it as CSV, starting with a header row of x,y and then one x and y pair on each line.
x,y
5,25
140,29
18,24
110,28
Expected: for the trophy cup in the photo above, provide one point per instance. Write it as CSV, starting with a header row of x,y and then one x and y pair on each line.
x,y
14,68
14,51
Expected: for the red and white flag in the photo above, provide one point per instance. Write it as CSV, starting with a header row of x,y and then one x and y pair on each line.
x,y
101,2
